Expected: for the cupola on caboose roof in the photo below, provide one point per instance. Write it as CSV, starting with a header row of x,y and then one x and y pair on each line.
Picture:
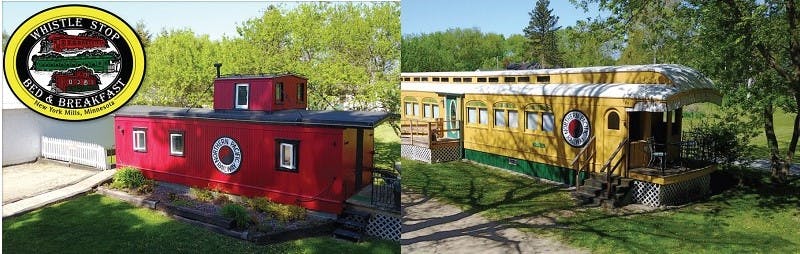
x,y
264,92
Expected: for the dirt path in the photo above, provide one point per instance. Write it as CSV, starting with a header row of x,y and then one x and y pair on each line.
x,y
27,180
430,226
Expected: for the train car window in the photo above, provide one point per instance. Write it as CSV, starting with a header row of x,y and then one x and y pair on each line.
x,y
523,79
445,79
494,80
176,143
140,139
532,121
456,79
242,96
542,79
301,92
513,119
287,153
484,116
510,79
481,79
613,121
548,121
436,79
468,80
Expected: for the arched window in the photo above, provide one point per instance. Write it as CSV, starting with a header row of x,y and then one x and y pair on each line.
x,y
613,120
430,108
411,106
506,115
477,113
539,116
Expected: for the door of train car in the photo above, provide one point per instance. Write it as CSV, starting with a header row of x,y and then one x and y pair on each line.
x,y
452,117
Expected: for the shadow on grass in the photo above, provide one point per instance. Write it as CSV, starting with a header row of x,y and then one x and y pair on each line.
x,y
508,200
97,224
748,217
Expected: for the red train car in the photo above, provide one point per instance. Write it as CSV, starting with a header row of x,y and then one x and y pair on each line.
x,y
60,42
253,144
75,80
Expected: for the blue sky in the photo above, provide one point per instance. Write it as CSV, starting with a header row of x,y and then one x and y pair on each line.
x,y
500,16
221,18
213,18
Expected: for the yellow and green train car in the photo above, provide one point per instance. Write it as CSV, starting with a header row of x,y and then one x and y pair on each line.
x,y
557,124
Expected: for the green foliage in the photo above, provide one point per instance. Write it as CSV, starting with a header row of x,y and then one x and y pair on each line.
x,y
221,199
728,137
541,34
110,225
348,51
237,213
280,212
456,49
202,195
128,178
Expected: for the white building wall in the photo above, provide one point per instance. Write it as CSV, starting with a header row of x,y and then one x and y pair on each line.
x,y
23,129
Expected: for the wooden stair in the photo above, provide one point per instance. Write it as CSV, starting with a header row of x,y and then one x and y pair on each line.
x,y
594,191
351,225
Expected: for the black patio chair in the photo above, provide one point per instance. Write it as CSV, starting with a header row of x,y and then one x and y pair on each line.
x,y
652,149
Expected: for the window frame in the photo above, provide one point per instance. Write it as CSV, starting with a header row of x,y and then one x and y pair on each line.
x,y
540,111
135,143
301,92
236,104
279,154
172,151
480,107
278,96
428,104
502,108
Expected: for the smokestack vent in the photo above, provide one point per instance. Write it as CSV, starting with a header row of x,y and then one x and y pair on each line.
x,y
218,65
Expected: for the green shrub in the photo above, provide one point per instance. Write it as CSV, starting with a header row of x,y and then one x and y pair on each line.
x,y
202,195
260,204
286,213
726,138
128,178
237,213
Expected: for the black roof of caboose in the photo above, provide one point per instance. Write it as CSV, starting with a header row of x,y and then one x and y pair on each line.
x,y
358,119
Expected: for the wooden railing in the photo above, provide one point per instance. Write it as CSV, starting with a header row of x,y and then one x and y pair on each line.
x,y
609,169
429,132
583,160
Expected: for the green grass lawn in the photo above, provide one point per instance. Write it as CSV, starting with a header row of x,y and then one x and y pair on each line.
x,y
98,224
751,218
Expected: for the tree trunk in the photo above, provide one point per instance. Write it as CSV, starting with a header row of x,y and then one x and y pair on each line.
x,y
792,144
772,143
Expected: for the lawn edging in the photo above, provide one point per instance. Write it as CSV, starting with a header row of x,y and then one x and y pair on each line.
x,y
216,223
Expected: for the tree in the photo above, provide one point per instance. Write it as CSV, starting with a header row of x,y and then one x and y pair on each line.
x,y
144,35
587,44
750,48
541,34
5,39
456,49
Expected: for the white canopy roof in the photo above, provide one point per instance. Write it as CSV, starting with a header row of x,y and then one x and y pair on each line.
x,y
687,86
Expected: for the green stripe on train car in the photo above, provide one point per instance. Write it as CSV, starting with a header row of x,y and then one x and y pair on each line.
x,y
531,168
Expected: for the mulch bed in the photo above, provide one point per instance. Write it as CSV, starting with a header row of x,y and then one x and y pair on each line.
x,y
266,229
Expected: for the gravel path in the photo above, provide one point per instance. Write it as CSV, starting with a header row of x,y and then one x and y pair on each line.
x,y
430,226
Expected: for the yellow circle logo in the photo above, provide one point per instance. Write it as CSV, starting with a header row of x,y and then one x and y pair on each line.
x,y
74,62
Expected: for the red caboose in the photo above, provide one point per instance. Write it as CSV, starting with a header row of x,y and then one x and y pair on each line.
x,y
259,140
75,80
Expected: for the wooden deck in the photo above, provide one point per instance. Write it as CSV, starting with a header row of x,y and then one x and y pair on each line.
x,y
425,141
669,175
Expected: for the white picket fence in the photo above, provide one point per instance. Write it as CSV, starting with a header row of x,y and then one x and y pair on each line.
x,y
71,151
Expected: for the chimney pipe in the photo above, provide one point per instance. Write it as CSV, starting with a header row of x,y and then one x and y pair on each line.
x,y
218,65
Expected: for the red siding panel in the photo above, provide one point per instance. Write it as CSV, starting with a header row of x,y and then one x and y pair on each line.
x,y
318,184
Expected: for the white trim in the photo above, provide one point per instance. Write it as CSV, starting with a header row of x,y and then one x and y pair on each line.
x,y
236,104
136,145
291,164
172,150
